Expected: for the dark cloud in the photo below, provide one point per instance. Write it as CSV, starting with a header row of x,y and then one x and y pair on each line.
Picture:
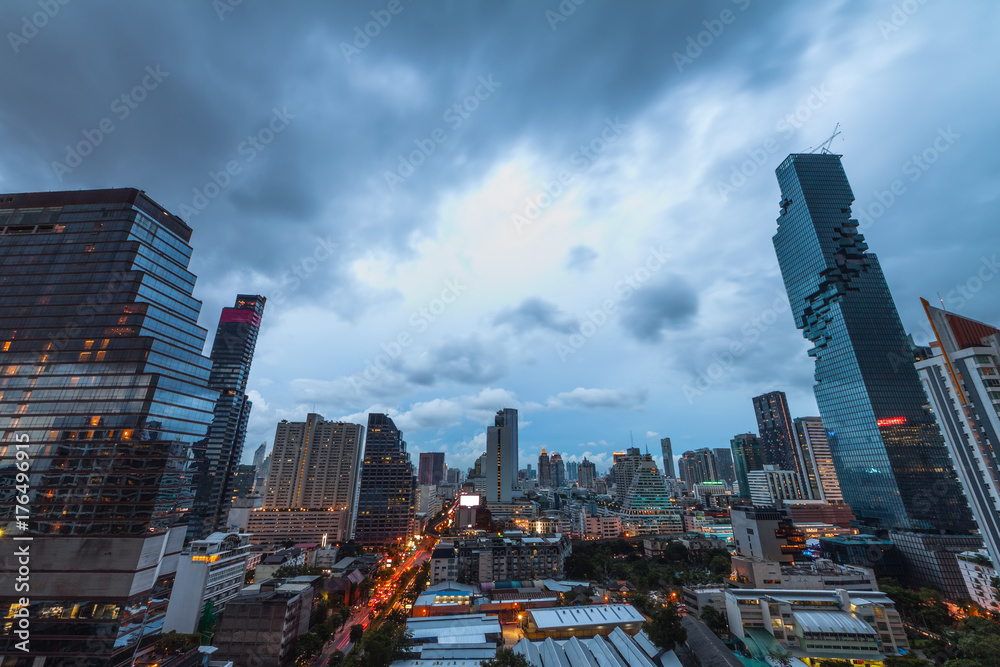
x,y
536,313
580,258
467,360
655,308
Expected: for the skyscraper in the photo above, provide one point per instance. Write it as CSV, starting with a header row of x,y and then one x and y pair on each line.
x,y
259,454
962,380
668,459
623,470
818,472
891,460
774,423
544,471
572,471
746,458
222,450
388,486
501,457
724,464
587,474
314,466
698,466
105,388
558,469
431,468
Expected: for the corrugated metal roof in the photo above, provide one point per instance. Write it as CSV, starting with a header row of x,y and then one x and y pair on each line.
x,y
616,650
562,617
831,622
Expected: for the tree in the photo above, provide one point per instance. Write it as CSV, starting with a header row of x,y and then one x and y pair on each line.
x,y
176,641
357,632
342,617
307,646
716,621
664,628
506,657
248,579
720,565
780,655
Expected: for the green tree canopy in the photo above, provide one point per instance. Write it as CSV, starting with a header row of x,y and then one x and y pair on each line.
x,y
506,657
664,627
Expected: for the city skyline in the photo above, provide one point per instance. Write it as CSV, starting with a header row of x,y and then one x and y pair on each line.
x,y
670,162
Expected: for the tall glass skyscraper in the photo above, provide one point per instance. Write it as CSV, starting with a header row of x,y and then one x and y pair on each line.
x,y
891,460
668,459
221,452
746,458
102,377
388,485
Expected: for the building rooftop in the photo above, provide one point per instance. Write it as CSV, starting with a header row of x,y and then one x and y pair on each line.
x,y
831,622
573,617
618,649
458,629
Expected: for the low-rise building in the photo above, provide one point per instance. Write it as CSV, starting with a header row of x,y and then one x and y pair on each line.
x,y
444,563
601,527
588,621
980,578
696,598
814,625
617,648
279,559
263,622
511,557
211,571
324,557
457,629
446,599
820,574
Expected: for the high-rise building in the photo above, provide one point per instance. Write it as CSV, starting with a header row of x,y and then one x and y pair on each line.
x,y
773,485
774,423
558,469
315,467
572,471
648,491
724,465
623,469
431,468
501,457
104,388
697,466
454,476
222,450
544,471
668,459
240,483
818,472
891,460
962,380
587,474
746,457
259,454
767,533
388,486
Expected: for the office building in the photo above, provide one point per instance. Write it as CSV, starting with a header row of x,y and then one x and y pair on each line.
x,y
222,450
767,533
544,471
501,457
819,475
431,469
587,474
241,484
771,485
724,469
558,470
209,574
980,576
891,460
388,485
648,492
869,551
698,466
105,389
962,380
746,457
572,471
777,442
313,473
812,625
454,476
668,459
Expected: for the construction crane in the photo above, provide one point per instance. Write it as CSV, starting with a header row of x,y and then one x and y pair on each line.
x,y
825,146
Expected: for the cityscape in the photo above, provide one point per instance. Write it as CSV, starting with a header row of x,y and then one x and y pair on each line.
x,y
457,357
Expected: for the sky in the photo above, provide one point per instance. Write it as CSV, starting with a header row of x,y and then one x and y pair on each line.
x,y
561,207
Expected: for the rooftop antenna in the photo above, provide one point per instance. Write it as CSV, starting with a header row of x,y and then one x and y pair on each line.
x,y
824,147
630,438
942,301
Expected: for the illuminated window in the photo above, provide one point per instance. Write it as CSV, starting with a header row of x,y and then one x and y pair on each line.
x,y
100,355
84,356
87,344
6,346
95,421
